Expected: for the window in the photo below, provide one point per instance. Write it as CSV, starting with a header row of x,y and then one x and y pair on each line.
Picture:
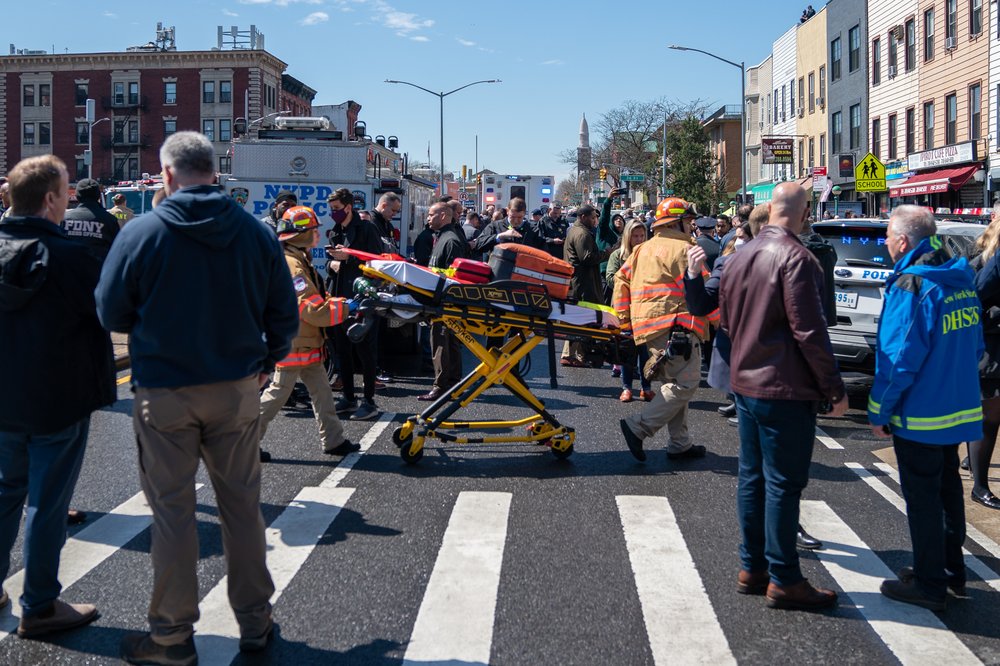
x,y
893,145
802,167
893,54
82,133
118,94
44,134
911,44
929,35
975,17
822,81
876,62
29,134
225,130
208,92
29,95
133,132
951,19
822,150
950,120
226,91
169,127
169,92
975,112
783,106
911,130
225,164
812,92
812,152
928,125
133,92
82,92
119,132
769,109
877,137
855,119
81,168
44,94
835,59
802,93
776,105
791,98
208,129
837,128
854,48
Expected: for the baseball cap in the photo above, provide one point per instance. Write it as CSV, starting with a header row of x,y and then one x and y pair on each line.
x,y
537,211
286,195
88,188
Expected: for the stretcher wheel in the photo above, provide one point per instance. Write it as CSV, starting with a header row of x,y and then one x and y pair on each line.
x,y
399,439
405,451
562,455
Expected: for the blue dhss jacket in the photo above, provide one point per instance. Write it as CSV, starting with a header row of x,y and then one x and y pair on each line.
x,y
929,342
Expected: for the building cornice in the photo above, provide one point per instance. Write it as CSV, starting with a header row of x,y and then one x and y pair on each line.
x,y
143,59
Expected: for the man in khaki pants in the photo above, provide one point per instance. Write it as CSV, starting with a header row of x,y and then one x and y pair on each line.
x,y
197,377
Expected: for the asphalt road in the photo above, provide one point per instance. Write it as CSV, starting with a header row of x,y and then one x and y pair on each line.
x,y
500,553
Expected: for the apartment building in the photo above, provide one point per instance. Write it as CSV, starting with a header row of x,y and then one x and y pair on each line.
x,y
847,93
758,109
811,120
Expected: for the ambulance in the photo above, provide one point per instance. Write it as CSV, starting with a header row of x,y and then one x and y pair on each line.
x,y
499,189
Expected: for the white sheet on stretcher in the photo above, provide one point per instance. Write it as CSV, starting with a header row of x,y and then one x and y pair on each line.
x,y
422,278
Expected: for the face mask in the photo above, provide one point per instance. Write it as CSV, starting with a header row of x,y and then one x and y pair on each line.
x,y
339,215
739,242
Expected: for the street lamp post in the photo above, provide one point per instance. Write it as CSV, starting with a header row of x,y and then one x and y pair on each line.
x,y
441,96
835,191
743,110
90,145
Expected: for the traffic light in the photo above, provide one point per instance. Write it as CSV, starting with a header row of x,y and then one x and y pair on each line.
x,y
603,172
465,170
479,179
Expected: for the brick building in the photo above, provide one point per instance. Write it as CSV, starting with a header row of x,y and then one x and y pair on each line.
x,y
144,95
723,130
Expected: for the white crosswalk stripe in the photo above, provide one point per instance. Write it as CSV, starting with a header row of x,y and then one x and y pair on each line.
x,y
84,551
291,538
455,622
915,635
680,623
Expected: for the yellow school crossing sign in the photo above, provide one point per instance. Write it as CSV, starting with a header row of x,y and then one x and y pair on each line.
x,y
869,175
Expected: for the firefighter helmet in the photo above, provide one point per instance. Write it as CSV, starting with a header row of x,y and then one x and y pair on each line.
x,y
296,220
669,210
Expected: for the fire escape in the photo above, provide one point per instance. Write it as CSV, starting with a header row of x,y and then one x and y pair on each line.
x,y
126,106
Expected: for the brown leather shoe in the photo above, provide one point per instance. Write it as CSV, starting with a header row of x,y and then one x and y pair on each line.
x,y
800,596
752,582
431,396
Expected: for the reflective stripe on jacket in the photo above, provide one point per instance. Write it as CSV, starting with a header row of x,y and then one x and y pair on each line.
x,y
316,310
649,288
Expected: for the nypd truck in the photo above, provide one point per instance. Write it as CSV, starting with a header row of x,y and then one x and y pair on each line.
x,y
304,156
499,189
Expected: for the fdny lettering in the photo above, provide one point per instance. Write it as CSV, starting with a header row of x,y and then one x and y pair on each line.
x,y
961,318
84,228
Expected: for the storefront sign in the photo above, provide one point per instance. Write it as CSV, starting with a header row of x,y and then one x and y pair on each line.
x,y
819,179
931,159
777,151
897,169
845,165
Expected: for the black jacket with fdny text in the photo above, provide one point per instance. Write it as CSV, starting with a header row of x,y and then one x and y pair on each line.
x,y
90,224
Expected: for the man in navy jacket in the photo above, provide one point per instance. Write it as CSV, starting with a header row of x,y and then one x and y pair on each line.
x,y
203,290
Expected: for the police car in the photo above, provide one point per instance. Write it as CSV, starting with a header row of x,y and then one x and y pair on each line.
x,y
863,264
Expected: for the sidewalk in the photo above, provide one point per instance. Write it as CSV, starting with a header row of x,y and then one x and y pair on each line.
x,y
120,343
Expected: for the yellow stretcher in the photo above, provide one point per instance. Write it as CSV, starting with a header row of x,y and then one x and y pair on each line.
x,y
519,312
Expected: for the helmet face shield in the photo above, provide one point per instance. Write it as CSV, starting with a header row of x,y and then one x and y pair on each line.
x,y
297,220
670,210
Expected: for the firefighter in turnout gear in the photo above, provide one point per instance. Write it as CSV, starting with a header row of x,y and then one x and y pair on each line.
x,y
298,231
649,300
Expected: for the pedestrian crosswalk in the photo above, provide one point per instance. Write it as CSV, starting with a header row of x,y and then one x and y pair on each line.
x,y
687,617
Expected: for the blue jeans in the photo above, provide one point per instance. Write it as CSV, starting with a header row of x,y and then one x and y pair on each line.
x,y
43,469
776,443
628,371
935,511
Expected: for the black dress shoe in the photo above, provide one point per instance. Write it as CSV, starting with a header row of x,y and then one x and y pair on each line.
x,y
987,499
633,441
965,463
265,456
804,541
76,517
694,451
728,410
343,448
430,396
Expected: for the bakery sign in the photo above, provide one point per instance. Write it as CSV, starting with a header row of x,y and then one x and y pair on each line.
x,y
931,159
777,151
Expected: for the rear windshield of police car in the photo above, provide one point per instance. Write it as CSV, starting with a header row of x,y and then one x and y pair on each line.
x,y
855,246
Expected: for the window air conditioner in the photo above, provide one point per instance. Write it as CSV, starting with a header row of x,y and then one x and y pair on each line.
x,y
950,43
892,72
760,125
897,32
802,113
820,102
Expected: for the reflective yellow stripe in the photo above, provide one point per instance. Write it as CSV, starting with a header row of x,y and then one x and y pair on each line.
x,y
873,406
940,422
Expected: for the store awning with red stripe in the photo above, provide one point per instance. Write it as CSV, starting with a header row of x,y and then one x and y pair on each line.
x,y
933,182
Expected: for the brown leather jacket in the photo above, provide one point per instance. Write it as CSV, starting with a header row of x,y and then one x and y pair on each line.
x,y
771,307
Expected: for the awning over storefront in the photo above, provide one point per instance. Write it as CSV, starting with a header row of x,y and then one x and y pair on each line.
x,y
933,182
762,193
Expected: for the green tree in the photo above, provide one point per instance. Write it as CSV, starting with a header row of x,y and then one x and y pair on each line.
x,y
691,167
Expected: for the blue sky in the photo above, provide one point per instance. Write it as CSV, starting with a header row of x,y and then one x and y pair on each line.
x,y
557,60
